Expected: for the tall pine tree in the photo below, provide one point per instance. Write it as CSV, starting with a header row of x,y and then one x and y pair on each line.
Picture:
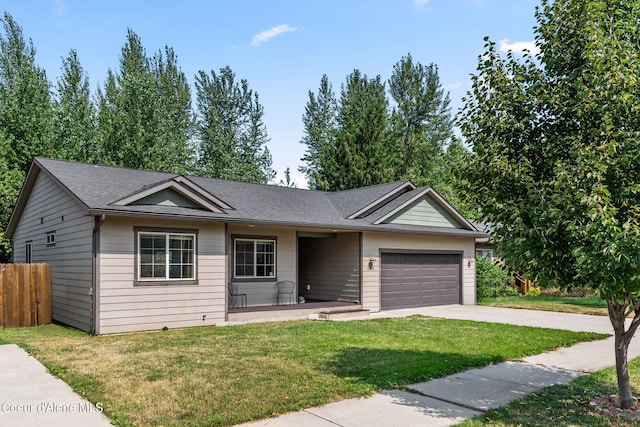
x,y
421,119
144,112
362,152
26,117
127,109
232,134
75,126
173,150
320,126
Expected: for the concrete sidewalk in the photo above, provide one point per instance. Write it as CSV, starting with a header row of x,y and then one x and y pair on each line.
x,y
31,397
447,401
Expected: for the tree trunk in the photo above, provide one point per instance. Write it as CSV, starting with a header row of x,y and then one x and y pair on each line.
x,y
616,315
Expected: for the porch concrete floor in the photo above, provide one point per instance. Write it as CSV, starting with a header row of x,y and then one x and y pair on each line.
x,y
267,313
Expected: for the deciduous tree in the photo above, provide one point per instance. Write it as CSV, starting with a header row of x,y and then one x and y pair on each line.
x,y
556,165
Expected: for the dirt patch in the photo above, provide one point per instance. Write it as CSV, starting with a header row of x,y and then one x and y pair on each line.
x,y
610,406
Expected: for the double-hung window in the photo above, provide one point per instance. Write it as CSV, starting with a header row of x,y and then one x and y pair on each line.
x,y
166,256
254,258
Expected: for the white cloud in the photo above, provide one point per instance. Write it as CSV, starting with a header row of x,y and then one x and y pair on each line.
x,y
60,7
505,46
419,4
453,86
273,32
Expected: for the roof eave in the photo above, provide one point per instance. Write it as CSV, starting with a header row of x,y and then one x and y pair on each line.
x,y
355,227
381,200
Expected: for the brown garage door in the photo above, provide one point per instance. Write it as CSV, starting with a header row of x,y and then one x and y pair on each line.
x,y
419,280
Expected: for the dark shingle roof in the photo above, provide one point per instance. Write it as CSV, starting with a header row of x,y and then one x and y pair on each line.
x,y
99,187
348,202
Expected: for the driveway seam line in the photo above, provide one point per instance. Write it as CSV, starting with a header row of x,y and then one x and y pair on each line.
x,y
322,418
451,402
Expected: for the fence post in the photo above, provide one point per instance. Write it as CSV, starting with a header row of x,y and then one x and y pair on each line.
x,y
3,312
43,291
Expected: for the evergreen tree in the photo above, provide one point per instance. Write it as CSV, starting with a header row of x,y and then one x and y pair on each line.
x,y
26,114
75,127
127,109
319,121
287,181
26,118
144,116
421,119
173,150
232,136
362,152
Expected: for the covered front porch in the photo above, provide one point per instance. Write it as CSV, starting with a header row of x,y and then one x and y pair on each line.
x,y
324,267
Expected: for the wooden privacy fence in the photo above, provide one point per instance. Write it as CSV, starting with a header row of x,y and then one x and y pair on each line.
x,y
25,295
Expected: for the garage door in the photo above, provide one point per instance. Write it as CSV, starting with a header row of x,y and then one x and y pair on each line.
x,y
419,280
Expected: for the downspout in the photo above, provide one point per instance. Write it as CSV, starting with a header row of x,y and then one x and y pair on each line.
x,y
360,273
227,271
95,288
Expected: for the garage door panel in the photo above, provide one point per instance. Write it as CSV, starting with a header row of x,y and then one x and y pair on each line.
x,y
418,280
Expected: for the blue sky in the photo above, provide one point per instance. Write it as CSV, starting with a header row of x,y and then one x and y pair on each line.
x,y
281,47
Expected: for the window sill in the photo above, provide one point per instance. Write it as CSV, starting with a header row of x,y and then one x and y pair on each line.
x,y
165,283
254,279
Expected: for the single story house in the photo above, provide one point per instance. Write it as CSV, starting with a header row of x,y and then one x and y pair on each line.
x,y
134,250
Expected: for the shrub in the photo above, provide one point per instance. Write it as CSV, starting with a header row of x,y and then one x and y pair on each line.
x,y
492,280
552,291
533,292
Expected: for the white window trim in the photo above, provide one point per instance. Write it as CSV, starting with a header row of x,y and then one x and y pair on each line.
x,y
255,256
50,238
486,253
167,278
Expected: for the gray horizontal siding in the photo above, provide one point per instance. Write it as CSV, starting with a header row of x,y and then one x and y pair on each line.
x,y
167,197
265,292
331,267
50,208
425,212
125,307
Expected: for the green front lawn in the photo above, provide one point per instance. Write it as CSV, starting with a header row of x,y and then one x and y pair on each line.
x,y
226,375
582,305
563,405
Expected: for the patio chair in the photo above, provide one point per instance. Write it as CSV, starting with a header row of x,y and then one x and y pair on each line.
x,y
235,297
286,290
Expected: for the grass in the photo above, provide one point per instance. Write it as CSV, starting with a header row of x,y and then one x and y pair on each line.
x,y
226,375
565,405
582,305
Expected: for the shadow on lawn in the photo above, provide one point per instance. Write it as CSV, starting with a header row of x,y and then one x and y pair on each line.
x,y
392,368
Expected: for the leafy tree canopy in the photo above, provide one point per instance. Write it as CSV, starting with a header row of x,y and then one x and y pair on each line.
x,y
556,161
